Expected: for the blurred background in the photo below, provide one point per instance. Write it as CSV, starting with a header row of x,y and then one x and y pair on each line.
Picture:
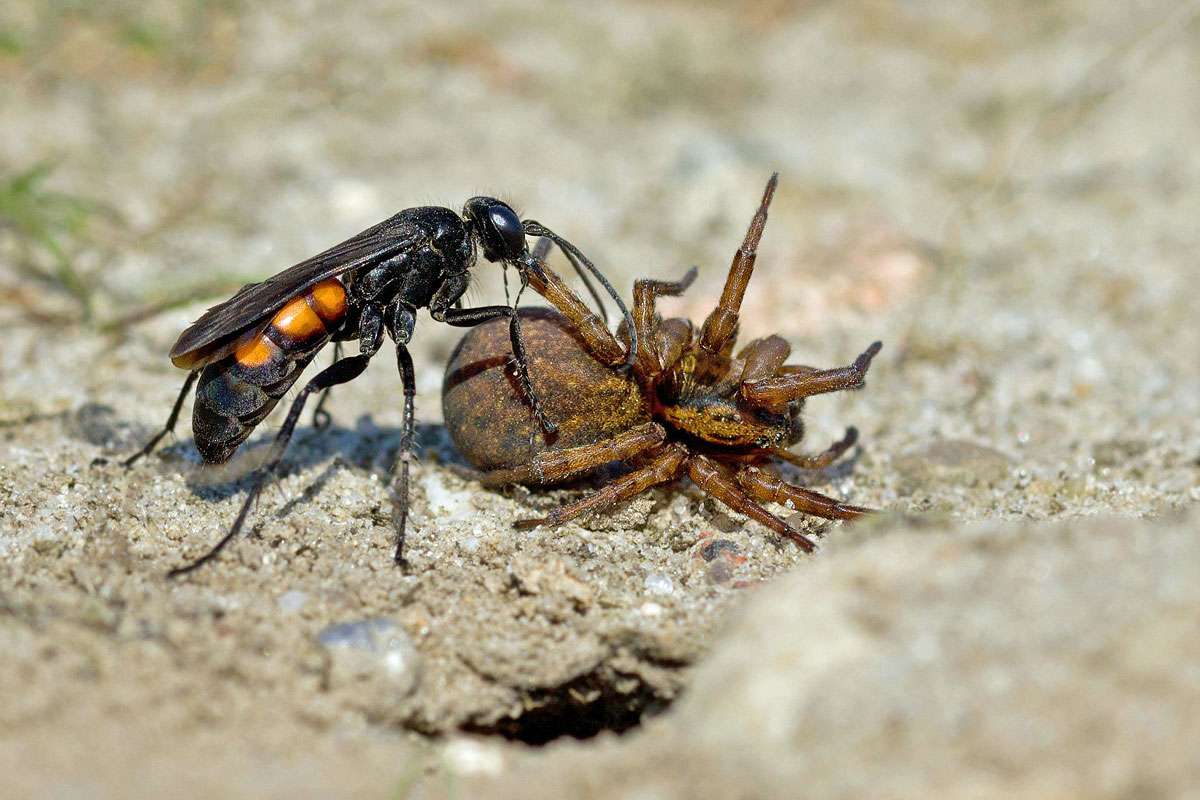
x,y
1005,193
1001,191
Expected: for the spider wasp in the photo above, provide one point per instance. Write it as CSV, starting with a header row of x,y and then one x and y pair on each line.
x,y
244,354
689,406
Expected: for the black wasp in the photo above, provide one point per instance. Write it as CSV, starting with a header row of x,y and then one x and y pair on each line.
x,y
247,352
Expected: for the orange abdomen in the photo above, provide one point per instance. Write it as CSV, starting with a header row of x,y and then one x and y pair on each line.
x,y
303,323
238,391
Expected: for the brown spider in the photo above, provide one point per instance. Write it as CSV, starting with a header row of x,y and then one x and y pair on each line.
x,y
689,405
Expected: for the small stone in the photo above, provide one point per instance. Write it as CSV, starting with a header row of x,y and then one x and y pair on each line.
x,y
372,649
724,523
716,547
292,601
658,583
719,572
650,610
1118,452
472,757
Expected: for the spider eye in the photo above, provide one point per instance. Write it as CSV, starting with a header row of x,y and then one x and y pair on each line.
x,y
499,228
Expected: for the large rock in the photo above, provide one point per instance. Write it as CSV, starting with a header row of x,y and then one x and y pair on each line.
x,y
993,661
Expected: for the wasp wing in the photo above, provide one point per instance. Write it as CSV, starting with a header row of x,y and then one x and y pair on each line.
x,y
213,334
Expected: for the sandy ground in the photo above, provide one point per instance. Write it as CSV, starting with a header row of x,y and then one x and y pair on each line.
x,y
1005,194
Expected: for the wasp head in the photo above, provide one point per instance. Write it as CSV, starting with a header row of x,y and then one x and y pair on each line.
x,y
498,228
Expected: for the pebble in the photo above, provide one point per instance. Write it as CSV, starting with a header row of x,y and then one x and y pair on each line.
x,y
658,583
292,601
651,610
372,648
472,757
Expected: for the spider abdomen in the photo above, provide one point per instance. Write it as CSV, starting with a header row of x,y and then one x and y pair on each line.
x,y
489,419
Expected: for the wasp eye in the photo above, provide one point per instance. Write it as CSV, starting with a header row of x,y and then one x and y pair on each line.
x,y
499,228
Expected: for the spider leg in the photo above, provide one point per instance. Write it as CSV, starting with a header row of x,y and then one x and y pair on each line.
x,y
541,249
662,468
717,481
720,329
822,459
790,386
645,318
763,358
555,465
591,329
770,488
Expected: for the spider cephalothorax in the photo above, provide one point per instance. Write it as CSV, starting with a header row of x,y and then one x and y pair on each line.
x,y
689,405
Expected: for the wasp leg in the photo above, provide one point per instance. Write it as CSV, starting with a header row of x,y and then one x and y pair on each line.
x,y
718,482
470,317
664,467
171,420
320,417
771,489
345,370
404,452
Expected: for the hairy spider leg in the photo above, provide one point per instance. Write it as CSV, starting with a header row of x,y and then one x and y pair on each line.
x,y
770,488
582,265
719,331
592,331
782,389
645,319
822,459
556,465
717,481
663,467
762,358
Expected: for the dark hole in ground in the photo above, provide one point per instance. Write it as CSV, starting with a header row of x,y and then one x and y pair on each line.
x,y
580,709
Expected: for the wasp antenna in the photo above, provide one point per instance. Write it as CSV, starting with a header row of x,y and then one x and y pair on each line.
x,y
586,282
542,249
534,228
